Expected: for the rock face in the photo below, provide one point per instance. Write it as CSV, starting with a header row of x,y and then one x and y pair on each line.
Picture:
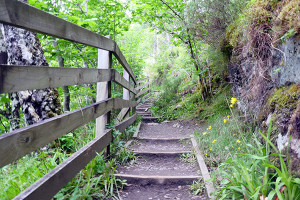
x,y
288,62
271,92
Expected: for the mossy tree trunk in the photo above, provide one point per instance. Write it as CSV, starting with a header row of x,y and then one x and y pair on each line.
x,y
24,48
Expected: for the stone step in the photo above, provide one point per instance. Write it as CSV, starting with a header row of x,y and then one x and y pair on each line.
x,y
143,107
176,139
161,146
159,169
156,192
150,119
163,153
159,180
144,113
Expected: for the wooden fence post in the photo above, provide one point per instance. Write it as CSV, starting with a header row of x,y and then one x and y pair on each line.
x,y
126,93
103,91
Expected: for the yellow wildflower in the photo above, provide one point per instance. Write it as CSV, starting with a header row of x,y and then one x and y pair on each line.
x,y
233,100
209,127
225,120
210,149
204,133
228,116
214,141
206,154
238,141
239,148
231,106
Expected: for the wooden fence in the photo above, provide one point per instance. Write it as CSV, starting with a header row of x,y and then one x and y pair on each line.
x,y
18,143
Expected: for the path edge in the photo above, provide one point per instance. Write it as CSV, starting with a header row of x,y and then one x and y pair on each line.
x,y
136,133
203,168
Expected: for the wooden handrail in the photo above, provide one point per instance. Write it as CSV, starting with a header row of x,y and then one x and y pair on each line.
x,y
142,86
142,80
22,15
142,92
22,141
51,183
18,78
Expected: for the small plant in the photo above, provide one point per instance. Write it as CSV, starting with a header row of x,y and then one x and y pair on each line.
x,y
198,187
250,177
188,157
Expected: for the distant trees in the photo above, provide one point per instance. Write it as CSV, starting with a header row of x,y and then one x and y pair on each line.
x,y
191,23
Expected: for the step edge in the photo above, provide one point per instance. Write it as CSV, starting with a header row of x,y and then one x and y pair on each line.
x,y
161,153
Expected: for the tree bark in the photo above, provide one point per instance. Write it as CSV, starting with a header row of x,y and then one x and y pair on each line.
x,y
12,112
24,48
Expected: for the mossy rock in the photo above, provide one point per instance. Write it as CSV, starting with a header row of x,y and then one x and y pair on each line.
x,y
284,97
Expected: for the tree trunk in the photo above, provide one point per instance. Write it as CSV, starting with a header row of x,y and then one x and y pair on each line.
x,y
12,112
66,91
23,48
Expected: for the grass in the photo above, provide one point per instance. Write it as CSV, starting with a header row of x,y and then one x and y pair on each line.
x,y
222,138
241,164
95,181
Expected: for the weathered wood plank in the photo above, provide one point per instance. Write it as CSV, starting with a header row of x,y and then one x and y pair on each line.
x,y
142,92
122,113
20,142
136,133
51,183
22,15
121,103
142,80
139,100
204,171
19,78
142,86
124,124
118,54
103,89
123,82
147,95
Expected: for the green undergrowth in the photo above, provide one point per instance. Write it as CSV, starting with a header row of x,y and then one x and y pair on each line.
x,y
240,160
171,105
95,181
222,138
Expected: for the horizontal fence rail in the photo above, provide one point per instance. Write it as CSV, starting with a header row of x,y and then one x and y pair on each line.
x,y
19,78
20,142
22,15
52,182
13,78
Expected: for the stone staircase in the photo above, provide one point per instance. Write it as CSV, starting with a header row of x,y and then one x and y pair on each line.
x,y
165,164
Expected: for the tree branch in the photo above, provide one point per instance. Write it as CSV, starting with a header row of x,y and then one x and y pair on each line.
x,y
175,13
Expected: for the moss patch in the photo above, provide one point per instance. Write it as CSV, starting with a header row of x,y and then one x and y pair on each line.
x,y
284,97
280,17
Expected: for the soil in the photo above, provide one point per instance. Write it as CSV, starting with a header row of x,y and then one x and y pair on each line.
x,y
173,129
161,146
160,165
158,192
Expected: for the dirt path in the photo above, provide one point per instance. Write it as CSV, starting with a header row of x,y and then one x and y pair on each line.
x,y
165,166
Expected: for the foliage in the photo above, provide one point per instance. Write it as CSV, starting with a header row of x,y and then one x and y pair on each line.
x,y
197,188
251,177
279,19
96,180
